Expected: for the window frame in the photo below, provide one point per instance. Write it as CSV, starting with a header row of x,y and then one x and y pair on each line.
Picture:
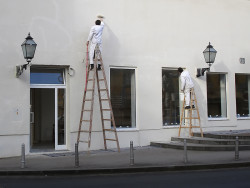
x,y
238,117
121,129
226,96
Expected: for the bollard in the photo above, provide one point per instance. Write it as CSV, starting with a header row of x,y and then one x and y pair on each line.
x,y
237,148
185,151
131,154
23,156
76,156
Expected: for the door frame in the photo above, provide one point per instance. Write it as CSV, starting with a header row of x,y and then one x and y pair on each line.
x,y
56,87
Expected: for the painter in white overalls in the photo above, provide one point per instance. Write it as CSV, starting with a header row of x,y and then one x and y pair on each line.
x,y
94,38
186,85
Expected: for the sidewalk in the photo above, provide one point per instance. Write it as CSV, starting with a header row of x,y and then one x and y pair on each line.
x,y
145,159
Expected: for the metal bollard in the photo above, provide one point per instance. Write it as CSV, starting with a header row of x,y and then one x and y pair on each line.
x,y
131,154
23,156
185,151
237,148
76,156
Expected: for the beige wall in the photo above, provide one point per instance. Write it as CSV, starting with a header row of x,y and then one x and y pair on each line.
x,y
146,34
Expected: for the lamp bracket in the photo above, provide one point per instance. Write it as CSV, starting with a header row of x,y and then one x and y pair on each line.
x,y
201,71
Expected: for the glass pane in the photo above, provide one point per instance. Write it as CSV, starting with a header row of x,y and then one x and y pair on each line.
x,y
61,117
122,84
216,95
46,76
170,97
242,95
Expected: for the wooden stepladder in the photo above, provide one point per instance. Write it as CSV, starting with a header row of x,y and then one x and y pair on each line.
x,y
190,117
107,116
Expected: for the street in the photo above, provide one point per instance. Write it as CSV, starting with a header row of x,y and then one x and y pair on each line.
x,y
207,178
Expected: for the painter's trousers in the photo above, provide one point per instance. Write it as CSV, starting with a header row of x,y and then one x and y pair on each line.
x,y
187,96
92,51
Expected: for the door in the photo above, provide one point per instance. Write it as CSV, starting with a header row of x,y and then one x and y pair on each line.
x,y
48,109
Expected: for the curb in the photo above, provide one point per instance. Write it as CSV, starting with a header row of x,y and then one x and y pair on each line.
x,y
131,169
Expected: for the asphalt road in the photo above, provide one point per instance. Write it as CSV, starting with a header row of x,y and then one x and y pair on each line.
x,y
228,178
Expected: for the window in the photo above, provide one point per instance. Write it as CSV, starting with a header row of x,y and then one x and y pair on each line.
x,y
123,97
216,96
170,97
242,86
46,76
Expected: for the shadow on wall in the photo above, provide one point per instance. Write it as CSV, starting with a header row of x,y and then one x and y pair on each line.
x,y
111,45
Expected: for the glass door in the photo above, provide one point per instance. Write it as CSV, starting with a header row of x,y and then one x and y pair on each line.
x,y
48,108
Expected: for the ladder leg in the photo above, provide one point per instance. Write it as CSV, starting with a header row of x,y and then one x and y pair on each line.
x,y
182,116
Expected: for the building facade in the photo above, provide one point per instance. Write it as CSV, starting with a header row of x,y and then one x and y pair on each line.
x,y
144,42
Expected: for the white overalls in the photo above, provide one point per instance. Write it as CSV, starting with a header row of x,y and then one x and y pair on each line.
x,y
186,85
95,37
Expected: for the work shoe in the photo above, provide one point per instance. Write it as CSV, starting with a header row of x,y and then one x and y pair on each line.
x,y
99,67
193,106
187,107
91,66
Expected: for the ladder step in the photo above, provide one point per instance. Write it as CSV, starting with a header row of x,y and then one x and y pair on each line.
x,y
111,130
84,141
104,99
107,119
101,79
190,127
191,118
85,131
103,90
110,139
90,79
85,120
106,109
87,110
90,90
87,100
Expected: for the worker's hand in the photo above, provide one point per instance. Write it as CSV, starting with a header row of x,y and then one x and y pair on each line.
x,y
87,43
100,17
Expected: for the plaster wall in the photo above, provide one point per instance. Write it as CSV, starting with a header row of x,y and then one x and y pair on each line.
x,y
145,34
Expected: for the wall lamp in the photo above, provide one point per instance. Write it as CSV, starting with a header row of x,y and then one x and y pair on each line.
x,y
209,55
29,48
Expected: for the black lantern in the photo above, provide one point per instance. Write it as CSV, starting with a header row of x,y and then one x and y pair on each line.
x,y
29,48
209,55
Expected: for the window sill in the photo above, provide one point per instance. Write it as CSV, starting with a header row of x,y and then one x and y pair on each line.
x,y
126,129
218,119
243,118
171,127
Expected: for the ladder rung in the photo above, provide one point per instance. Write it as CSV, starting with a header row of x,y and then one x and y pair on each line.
x,y
83,141
104,99
88,100
112,130
106,109
190,127
90,90
87,110
90,79
110,139
191,118
107,119
103,90
101,79
85,131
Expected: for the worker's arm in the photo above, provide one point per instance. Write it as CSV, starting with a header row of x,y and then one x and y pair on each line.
x,y
91,34
183,83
